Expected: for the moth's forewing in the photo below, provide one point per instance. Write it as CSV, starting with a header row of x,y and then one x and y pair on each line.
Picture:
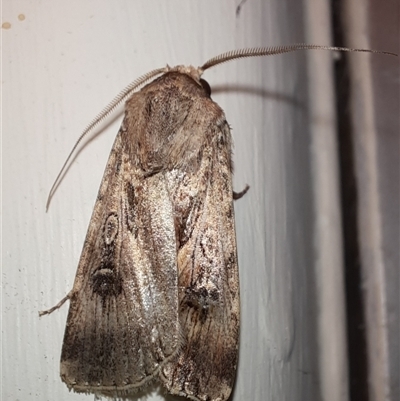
x,y
123,318
202,196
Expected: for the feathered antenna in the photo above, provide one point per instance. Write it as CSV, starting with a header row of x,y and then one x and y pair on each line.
x,y
269,51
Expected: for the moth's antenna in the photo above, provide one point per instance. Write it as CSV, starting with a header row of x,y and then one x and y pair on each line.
x,y
121,97
269,51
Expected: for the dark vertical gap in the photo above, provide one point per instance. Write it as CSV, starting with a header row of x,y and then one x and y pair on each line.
x,y
355,307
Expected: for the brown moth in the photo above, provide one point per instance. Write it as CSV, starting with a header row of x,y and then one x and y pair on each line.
x,y
156,293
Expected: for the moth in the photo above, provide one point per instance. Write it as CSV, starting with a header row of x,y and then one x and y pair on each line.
x,y
156,293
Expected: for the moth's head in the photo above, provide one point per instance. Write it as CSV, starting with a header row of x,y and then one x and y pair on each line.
x,y
194,72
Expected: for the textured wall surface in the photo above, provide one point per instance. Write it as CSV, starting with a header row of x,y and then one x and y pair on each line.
x,y
64,61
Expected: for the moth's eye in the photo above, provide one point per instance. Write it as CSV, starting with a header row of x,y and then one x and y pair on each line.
x,y
206,86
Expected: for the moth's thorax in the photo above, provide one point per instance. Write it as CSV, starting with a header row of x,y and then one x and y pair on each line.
x,y
170,121
193,72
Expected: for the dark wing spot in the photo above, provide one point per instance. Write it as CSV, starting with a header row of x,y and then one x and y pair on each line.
x,y
130,194
107,283
131,209
201,298
118,167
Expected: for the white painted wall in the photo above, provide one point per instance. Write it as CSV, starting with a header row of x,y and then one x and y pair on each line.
x,y
61,65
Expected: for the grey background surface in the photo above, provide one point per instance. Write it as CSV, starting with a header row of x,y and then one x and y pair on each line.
x,y
63,63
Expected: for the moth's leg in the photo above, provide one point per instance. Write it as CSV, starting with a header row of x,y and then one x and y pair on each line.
x,y
48,311
238,195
